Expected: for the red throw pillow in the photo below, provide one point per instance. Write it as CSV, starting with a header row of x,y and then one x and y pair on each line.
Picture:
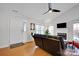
x,y
76,44
70,42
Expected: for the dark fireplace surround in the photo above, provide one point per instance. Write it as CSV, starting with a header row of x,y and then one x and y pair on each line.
x,y
64,35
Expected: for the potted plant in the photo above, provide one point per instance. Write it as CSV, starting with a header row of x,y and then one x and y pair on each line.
x,y
46,32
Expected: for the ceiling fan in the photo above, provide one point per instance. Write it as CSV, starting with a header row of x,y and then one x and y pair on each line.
x,y
50,9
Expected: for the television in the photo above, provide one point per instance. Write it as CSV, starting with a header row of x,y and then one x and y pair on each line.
x,y
61,25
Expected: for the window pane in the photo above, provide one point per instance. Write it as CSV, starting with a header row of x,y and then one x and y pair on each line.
x,y
76,31
51,30
39,29
74,26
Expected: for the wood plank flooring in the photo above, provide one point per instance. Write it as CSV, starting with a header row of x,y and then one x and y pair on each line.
x,y
28,49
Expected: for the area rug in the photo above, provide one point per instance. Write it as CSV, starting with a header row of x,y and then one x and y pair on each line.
x,y
16,45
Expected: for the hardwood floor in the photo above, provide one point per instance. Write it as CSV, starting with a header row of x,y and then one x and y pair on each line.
x,y
28,49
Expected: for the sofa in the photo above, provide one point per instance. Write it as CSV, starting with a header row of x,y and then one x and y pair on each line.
x,y
52,44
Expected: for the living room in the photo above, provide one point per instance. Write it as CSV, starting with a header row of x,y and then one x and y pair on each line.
x,y
20,20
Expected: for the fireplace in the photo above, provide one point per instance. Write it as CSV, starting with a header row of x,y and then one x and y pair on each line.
x,y
64,35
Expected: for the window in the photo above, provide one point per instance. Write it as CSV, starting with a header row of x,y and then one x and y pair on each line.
x,y
51,30
39,29
24,26
76,31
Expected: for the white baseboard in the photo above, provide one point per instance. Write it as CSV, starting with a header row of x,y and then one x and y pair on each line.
x,y
15,42
4,46
27,41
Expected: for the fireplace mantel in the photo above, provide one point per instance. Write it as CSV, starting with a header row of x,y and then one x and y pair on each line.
x,y
64,35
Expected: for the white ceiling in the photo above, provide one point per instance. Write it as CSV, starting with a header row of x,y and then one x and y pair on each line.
x,y
35,10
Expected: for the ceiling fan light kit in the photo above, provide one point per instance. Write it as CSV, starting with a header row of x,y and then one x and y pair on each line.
x,y
50,11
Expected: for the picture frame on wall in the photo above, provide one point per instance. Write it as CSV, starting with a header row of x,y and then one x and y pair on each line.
x,y
32,26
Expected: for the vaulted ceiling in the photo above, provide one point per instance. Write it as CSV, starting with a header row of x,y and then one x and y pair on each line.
x,y
35,10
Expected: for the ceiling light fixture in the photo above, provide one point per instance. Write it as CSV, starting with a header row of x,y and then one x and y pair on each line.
x,y
50,9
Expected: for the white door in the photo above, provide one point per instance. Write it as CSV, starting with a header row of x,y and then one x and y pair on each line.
x,y
16,30
24,32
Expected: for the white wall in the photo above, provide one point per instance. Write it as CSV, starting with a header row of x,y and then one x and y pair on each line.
x,y
69,16
70,28
11,27
16,29
4,28
17,33
60,30
29,37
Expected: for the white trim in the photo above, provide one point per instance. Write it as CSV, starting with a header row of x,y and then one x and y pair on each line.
x,y
15,42
27,41
4,46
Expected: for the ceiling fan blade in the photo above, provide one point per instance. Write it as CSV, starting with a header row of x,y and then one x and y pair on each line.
x,y
46,12
55,10
50,9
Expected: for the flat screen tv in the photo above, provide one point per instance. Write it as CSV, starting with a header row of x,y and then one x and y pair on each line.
x,y
61,25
